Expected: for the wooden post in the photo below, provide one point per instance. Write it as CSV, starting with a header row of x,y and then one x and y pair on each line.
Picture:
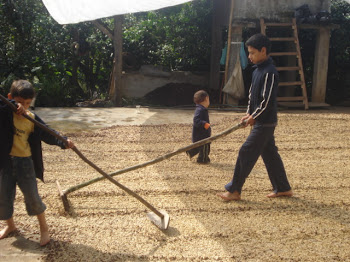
x,y
118,56
229,40
321,65
216,45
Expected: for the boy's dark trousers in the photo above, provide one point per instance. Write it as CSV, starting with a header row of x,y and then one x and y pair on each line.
x,y
203,151
260,142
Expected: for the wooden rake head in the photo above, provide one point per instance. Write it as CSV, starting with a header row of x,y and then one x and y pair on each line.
x,y
63,197
160,221
159,218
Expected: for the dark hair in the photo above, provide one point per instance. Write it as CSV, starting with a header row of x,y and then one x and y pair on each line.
x,y
258,41
200,96
22,88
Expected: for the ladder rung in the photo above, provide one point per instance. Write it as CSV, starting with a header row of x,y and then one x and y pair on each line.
x,y
283,53
286,68
282,39
290,98
296,83
291,26
278,24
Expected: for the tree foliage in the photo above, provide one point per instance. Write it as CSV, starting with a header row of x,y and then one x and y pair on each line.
x,y
36,48
69,63
339,55
177,38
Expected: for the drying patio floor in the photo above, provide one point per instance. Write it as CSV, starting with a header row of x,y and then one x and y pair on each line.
x,y
106,224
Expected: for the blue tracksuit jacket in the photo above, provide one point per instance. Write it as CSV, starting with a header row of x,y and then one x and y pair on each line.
x,y
263,93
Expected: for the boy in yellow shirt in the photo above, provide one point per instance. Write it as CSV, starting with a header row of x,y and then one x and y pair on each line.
x,y
21,158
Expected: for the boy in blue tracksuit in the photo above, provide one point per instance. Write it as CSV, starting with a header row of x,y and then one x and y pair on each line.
x,y
262,116
21,158
201,127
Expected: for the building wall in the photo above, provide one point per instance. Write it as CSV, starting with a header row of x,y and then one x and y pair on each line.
x,y
139,83
271,9
274,9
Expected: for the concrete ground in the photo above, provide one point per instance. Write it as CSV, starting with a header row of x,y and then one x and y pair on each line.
x,y
18,247
85,119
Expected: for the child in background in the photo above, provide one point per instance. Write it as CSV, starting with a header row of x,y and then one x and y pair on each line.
x,y
21,158
201,127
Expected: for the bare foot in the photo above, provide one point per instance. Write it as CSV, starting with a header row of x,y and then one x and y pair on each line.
x,y
279,194
228,196
44,238
7,230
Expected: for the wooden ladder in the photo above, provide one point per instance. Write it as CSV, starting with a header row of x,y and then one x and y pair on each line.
x,y
293,38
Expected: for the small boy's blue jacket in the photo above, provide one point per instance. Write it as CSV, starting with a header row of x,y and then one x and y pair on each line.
x,y
201,116
35,138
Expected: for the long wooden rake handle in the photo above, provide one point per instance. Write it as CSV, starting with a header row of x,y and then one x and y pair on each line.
x,y
49,130
156,160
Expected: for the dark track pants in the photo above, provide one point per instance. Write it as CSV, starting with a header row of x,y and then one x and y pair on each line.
x,y
260,142
203,152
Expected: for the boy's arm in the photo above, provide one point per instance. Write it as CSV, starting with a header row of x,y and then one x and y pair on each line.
x,y
198,119
6,107
266,94
2,106
47,137
249,95
247,120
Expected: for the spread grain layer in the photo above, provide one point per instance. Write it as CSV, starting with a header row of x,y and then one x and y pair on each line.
x,y
107,224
